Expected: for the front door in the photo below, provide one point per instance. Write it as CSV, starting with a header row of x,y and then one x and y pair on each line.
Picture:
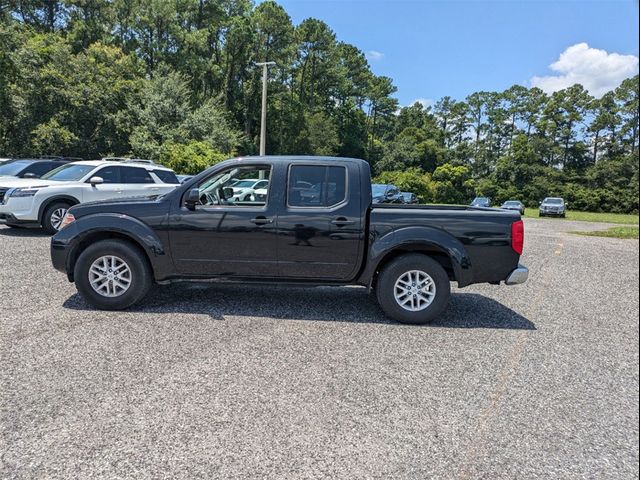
x,y
320,229
222,236
112,185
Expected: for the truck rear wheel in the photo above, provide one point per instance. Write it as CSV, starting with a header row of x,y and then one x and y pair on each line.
x,y
413,289
112,275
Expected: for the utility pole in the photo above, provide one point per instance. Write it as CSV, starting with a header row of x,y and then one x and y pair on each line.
x,y
263,123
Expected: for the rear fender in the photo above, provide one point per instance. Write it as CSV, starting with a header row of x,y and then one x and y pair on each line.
x,y
426,239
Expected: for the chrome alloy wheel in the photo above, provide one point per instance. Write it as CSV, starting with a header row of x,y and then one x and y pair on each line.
x,y
110,276
414,290
57,216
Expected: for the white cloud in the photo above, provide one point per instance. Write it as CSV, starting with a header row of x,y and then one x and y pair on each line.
x,y
596,70
375,55
426,102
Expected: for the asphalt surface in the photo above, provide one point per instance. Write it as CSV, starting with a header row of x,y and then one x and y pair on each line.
x,y
532,381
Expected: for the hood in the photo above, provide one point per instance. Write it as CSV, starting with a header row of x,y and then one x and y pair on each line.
x,y
119,201
15,182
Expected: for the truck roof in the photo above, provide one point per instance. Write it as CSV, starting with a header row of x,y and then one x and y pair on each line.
x,y
299,158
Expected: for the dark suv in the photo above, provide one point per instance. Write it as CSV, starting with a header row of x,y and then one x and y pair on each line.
x,y
30,167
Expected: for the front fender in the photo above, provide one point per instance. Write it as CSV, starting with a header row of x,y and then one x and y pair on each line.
x,y
73,238
418,238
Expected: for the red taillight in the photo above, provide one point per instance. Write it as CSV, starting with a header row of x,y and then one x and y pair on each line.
x,y
517,236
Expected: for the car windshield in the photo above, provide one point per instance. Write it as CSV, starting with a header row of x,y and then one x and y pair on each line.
x,y
553,201
244,183
68,173
13,168
512,203
378,189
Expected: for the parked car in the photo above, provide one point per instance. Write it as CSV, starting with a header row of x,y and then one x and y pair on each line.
x,y
481,202
244,189
553,206
43,202
409,197
114,251
383,193
514,205
30,167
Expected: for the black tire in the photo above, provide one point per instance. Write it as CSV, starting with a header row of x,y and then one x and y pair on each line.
x,y
47,217
394,270
134,257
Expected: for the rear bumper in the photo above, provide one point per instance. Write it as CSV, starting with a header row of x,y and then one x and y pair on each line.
x,y
517,276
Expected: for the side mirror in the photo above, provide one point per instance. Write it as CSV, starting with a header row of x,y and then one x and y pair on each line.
x,y
566,205
192,199
96,180
539,203
30,175
227,192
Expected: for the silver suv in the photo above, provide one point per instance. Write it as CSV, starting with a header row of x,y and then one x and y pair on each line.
x,y
553,206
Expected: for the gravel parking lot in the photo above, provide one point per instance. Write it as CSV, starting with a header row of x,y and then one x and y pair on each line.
x,y
209,381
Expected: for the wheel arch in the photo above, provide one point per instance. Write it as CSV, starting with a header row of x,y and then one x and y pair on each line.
x,y
92,228
447,250
71,200
97,236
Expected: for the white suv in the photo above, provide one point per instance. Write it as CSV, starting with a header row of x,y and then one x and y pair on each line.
x,y
44,201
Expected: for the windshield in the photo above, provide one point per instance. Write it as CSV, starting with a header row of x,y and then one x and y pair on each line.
x,y
512,203
553,201
68,173
13,168
378,189
244,183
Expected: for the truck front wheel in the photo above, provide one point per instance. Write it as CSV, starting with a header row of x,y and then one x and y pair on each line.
x,y
112,274
413,289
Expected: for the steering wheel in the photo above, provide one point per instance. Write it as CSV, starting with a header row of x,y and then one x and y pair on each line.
x,y
209,198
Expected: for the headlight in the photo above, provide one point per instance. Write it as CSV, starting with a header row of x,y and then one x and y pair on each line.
x,y
22,192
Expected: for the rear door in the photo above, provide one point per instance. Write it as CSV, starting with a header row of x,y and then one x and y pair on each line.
x,y
320,228
137,182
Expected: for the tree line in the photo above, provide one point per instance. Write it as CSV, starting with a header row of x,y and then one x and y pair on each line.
x,y
176,81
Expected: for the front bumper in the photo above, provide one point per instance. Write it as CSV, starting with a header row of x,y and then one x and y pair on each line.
x,y
11,219
557,213
517,276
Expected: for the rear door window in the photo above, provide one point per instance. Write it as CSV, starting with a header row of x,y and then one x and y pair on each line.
x,y
316,185
136,175
166,176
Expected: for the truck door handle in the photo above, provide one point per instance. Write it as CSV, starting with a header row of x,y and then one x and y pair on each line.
x,y
261,220
342,221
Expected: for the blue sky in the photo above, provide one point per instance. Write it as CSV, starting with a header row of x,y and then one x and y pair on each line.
x,y
437,48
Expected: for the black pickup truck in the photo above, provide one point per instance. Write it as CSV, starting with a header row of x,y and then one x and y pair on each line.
x,y
311,222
